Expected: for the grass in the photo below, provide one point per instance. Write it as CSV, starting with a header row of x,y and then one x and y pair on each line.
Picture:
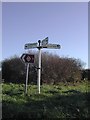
x,y
55,101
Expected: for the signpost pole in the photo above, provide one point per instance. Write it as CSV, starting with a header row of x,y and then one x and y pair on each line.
x,y
39,68
27,78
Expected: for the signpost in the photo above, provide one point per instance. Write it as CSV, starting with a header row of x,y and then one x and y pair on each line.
x,y
27,78
27,58
40,45
39,66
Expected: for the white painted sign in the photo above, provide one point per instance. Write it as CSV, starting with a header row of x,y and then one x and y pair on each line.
x,y
51,46
30,45
45,41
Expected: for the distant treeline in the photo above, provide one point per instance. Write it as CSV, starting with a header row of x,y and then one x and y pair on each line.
x,y
55,69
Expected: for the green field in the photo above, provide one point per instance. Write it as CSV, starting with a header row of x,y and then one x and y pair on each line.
x,y
55,101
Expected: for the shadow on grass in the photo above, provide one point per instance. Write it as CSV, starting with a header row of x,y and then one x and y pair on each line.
x,y
55,106
72,91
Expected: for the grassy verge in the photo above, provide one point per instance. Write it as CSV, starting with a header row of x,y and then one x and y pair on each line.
x,y
55,101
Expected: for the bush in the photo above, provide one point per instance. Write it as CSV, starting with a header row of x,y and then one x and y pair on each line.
x,y
54,69
13,70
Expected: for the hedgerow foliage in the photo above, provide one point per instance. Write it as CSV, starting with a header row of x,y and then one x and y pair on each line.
x,y
54,69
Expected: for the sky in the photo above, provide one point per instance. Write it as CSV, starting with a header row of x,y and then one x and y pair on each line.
x,y
64,23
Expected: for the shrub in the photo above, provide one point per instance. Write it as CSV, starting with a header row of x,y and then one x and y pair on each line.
x,y
54,69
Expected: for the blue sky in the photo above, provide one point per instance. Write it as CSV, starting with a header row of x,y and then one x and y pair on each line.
x,y
64,23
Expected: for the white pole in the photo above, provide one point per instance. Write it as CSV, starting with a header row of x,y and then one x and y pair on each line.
x,y
27,78
39,71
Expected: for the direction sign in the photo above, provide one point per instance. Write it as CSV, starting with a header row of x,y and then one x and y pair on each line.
x,y
45,41
51,46
28,58
30,45
40,45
